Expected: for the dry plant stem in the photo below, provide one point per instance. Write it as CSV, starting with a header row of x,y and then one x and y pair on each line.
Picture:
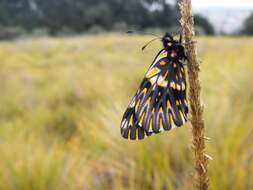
x,y
201,159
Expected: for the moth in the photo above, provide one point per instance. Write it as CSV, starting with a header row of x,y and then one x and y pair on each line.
x,y
160,103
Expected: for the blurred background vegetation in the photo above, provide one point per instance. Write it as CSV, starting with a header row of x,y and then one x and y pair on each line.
x,y
65,17
68,17
67,73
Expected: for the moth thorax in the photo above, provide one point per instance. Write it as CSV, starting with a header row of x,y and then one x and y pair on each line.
x,y
173,53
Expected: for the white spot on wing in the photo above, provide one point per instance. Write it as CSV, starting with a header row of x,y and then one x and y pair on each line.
x,y
153,79
173,126
132,104
161,129
124,124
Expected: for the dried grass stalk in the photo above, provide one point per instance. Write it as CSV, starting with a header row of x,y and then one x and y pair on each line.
x,y
196,109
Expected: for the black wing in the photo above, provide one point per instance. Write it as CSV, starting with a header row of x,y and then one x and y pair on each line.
x,y
160,102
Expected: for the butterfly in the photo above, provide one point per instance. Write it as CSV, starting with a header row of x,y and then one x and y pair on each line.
x,y
160,103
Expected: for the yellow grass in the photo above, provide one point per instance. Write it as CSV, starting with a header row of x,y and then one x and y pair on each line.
x,y
61,103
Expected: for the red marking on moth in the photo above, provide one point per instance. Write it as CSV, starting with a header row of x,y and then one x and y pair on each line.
x,y
173,53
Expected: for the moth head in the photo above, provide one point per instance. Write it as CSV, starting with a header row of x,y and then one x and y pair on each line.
x,y
173,46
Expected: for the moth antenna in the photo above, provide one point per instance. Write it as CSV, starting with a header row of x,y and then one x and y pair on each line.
x,y
131,32
178,32
154,35
180,38
144,47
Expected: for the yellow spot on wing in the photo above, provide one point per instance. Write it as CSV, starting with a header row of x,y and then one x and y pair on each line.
x,y
152,72
168,104
170,120
174,65
183,86
163,63
177,102
178,87
166,74
162,82
149,100
163,55
131,120
141,119
137,105
173,85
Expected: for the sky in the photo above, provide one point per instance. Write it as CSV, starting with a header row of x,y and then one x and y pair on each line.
x,y
222,3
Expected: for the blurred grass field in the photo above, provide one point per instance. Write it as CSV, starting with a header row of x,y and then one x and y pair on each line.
x,y
61,103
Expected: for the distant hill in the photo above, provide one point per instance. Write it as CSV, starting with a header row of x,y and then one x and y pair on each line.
x,y
225,20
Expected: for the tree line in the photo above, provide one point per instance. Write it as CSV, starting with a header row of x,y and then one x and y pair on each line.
x,y
248,26
79,16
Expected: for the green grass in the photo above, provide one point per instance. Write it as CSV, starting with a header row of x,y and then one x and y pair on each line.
x,y
61,103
